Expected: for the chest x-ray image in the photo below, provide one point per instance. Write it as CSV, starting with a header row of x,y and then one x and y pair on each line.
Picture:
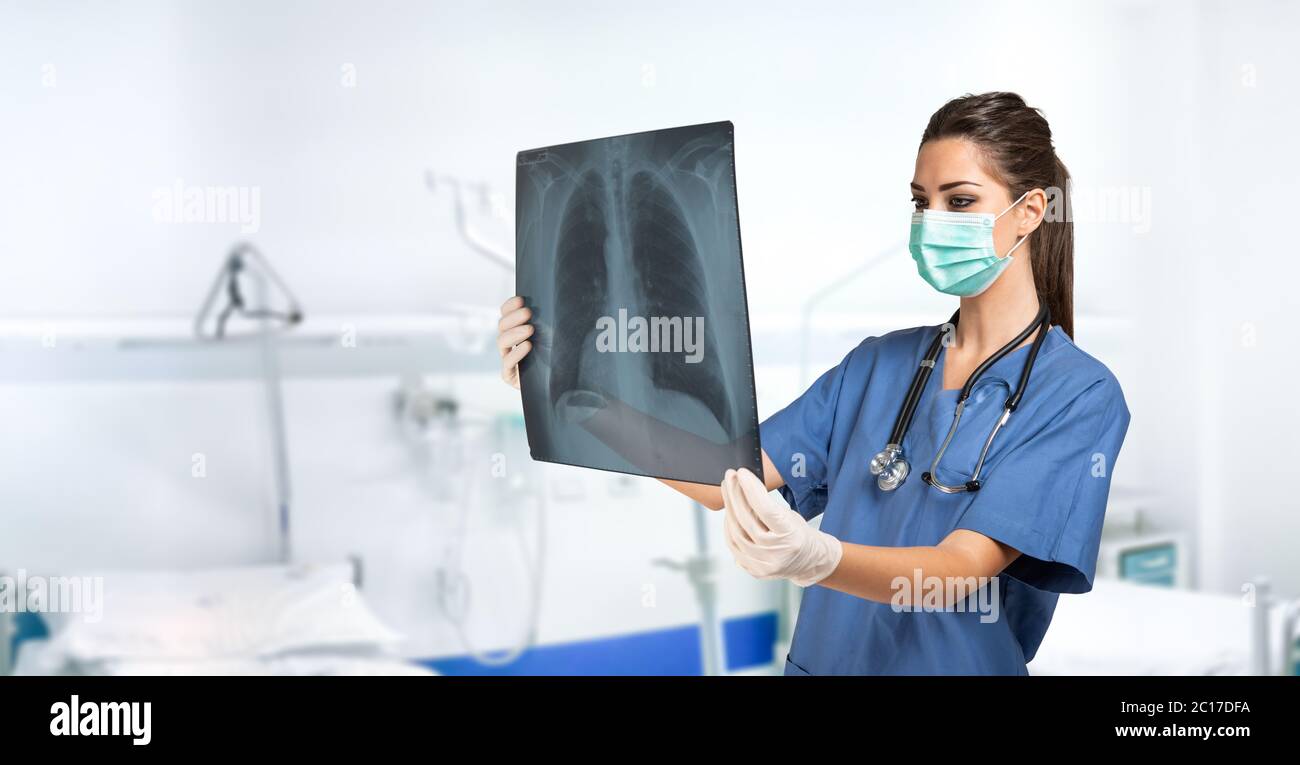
x,y
628,253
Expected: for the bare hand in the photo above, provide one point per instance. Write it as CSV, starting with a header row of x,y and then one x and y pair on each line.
x,y
513,341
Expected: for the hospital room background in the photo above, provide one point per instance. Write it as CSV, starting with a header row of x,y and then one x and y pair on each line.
x,y
352,492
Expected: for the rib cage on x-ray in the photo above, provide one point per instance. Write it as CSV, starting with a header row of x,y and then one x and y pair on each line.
x,y
645,224
581,278
673,282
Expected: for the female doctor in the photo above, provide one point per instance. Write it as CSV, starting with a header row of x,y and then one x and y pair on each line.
x,y
952,565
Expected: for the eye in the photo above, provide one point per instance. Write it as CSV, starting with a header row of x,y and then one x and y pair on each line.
x,y
958,203
919,203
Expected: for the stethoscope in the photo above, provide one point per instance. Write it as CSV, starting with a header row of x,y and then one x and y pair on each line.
x,y
890,467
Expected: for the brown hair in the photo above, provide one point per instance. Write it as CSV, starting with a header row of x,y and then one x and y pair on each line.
x,y
1017,142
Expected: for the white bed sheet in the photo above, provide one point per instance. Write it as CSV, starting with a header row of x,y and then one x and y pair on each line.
x,y
45,657
253,620
1126,629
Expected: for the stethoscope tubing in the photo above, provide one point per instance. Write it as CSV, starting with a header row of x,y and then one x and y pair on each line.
x,y
922,375
1042,322
893,452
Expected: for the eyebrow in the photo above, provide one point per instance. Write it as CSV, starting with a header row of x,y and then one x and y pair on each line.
x,y
947,186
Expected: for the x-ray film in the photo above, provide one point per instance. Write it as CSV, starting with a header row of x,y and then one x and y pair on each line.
x,y
628,254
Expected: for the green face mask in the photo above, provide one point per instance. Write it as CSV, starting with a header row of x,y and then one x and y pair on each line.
x,y
954,251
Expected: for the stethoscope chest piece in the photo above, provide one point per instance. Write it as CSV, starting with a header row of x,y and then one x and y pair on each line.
x,y
889,467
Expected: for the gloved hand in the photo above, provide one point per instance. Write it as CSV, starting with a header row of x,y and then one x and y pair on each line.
x,y
770,540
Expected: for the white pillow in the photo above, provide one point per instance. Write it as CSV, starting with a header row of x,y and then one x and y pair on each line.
x,y
224,613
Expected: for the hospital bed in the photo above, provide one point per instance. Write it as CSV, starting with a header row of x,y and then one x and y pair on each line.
x,y
256,620
1122,628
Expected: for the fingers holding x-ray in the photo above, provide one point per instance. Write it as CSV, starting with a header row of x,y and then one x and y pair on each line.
x,y
768,539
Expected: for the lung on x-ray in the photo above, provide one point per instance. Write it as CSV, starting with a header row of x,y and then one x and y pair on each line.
x,y
628,254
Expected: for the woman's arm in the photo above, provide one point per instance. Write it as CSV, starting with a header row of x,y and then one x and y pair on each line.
x,y
873,572
630,433
711,496
771,541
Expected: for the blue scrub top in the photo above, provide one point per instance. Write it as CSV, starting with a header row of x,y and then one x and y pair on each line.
x,y
1044,487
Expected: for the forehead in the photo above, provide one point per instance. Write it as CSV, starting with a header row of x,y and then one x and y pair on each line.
x,y
950,159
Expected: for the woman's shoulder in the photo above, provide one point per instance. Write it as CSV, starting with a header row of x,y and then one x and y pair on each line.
x,y
1079,374
911,340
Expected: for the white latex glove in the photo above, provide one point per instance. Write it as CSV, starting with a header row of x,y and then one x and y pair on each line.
x,y
770,540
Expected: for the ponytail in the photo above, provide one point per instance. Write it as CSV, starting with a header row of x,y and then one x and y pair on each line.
x,y
1052,248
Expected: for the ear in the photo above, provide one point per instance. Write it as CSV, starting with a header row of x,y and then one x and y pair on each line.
x,y
1032,209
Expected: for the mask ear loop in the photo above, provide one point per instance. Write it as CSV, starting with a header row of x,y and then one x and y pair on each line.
x,y
1024,238
1012,205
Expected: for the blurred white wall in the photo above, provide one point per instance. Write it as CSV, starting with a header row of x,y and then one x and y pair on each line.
x,y
334,110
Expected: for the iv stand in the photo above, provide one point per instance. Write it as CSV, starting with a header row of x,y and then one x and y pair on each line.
x,y
700,570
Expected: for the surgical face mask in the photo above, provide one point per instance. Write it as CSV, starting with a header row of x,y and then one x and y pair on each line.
x,y
954,251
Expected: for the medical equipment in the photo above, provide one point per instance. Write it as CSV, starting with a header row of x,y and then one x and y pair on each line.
x,y
701,572
954,251
1156,558
771,541
510,491
264,277
494,253
244,259
480,466
890,466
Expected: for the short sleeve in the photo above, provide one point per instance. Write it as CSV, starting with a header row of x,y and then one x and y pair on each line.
x,y
798,438
1048,496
